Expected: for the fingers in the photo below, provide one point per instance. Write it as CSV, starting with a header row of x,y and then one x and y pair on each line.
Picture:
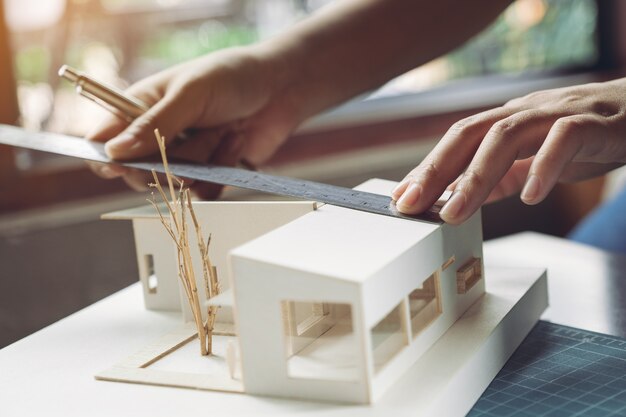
x,y
171,116
515,137
110,126
512,182
422,186
575,133
569,138
218,146
579,171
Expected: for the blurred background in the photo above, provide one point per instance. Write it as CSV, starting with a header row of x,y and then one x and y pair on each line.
x,y
56,256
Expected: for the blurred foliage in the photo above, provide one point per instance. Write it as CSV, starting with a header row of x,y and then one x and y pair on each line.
x,y
31,64
531,34
174,46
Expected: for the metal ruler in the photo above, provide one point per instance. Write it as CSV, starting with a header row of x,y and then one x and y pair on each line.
x,y
252,180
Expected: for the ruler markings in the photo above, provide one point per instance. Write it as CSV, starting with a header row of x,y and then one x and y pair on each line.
x,y
253,180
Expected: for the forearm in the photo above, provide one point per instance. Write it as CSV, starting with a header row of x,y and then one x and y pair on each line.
x,y
353,46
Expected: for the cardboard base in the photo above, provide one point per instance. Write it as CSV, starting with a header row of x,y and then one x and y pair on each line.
x,y
446,381
452,375
175,361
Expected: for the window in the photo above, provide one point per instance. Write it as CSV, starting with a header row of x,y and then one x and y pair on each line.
x,y
305,317
389,336
152,281
468,275
425,304
320,340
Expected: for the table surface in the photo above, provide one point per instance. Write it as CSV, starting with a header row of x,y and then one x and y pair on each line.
x,y
587,290
587,286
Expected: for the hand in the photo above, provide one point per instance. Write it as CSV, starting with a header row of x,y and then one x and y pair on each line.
x,y
267,89
231,100
529,144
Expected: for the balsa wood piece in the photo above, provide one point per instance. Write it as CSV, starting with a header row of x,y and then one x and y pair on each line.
x,y
185,367
171,379
468,275
447,263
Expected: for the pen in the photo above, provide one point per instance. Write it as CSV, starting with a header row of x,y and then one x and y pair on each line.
x,y
110,98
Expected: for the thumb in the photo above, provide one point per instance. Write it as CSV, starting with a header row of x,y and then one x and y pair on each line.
x,y
170,115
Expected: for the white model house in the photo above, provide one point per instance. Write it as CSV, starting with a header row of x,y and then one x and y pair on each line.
x,y
327,303
349,300
230,225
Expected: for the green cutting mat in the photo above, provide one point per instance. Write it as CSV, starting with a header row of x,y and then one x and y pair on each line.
x,y
559,371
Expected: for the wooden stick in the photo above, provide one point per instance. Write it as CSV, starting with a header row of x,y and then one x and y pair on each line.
x,y
177,205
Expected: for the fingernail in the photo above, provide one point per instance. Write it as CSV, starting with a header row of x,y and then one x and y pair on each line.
x,y
531,189
454,206
410,196
396,193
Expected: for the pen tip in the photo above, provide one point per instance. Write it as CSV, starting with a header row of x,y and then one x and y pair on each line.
x,y
68,73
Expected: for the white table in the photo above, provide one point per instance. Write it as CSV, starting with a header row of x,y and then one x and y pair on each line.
x,y
587,286
587,289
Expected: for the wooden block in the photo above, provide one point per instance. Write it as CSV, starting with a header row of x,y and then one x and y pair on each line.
x,y
468,275
447,263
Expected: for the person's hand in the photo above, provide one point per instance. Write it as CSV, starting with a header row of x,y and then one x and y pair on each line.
x,y
267,89
527,145
232,101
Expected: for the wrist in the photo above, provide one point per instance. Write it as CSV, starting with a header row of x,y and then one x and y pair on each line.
x,y
285,69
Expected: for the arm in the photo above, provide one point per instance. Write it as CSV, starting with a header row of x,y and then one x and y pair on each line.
x,y
354,46
259,94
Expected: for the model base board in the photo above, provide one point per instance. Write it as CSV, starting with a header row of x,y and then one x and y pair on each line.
x,y
174,360
446,381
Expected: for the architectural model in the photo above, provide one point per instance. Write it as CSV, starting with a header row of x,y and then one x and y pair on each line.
x,y
317,302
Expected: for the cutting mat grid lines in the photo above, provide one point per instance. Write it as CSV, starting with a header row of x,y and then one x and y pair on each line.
x,y
559,371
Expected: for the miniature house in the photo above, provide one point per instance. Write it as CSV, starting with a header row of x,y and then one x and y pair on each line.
x,y
349,299
230,225
326,303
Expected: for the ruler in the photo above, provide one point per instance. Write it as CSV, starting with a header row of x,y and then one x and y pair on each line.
x,y
237,177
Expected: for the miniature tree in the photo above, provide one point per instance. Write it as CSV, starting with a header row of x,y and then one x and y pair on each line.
x,y
180,207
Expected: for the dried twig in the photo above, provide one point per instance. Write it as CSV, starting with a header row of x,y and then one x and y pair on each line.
x,y
178,205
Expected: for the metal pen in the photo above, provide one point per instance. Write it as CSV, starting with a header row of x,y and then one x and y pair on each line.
x,y
111,98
